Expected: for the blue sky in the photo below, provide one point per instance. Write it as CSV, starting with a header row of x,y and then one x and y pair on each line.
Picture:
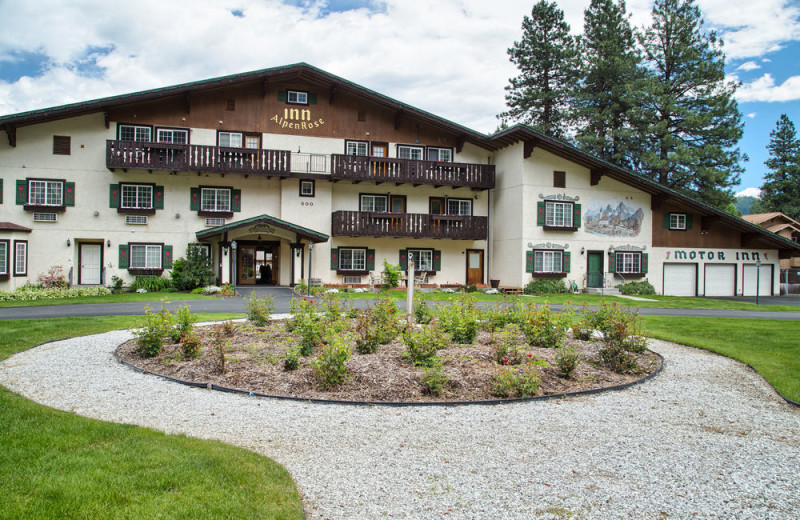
x,y
447,57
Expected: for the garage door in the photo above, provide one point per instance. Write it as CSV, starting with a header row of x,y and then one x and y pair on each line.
x,y
750,276
720,280
680,279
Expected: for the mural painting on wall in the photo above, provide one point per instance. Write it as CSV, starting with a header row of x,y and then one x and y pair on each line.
x,y
613,218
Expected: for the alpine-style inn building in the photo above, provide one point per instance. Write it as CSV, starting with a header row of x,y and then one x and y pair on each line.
x,y
291,173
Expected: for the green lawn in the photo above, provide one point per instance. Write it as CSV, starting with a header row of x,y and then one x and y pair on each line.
x,y
772,347
58,465
112,298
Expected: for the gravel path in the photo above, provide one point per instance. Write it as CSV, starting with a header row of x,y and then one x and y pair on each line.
x,y
708,438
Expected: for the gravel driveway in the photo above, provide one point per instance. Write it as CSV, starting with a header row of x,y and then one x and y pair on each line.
x,y
707,438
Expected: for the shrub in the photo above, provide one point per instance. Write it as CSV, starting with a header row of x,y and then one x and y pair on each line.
x,y
152,331
192,271
508,350
422,345
384,316
227,328
633,288
150,284
434,380
367,335
567,360
495,318
259,309
615,356
330,367
28,293
546,286
391,275
116,284
190,345
422,311
332,308
621,329
219,333
184,320
520,381
460,319
227,289
53,279
544,327
291,360
306,323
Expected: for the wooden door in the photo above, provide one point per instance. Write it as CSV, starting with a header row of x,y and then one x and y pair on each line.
x,y
397,204
91,264
247,265
474,266
380,150
594,275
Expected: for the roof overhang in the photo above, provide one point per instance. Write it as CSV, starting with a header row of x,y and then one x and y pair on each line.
x,y
300,231
10,226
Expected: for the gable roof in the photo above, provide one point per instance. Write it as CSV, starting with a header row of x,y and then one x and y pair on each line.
x,y
300,231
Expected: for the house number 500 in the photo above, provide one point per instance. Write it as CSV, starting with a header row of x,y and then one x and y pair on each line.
x,y
306,203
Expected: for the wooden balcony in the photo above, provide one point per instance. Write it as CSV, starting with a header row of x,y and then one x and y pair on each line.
x,y
179,157
404,171
414,225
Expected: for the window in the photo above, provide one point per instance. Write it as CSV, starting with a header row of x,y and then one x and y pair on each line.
x,y
3,258
134,133
558,214
144,256
374,203
436,205
61,144
174,136
559,179
548,261
422,258
20,258
629,262
677,221
461,207
46,193
296,97
409,152
352,259
306,188
440,154
230,139
215,199
252,142
136,196
355,147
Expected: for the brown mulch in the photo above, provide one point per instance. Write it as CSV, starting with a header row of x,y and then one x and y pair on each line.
x,y
254,363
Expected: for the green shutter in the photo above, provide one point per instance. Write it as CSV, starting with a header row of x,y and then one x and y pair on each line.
x,y
370,259
334,258
166,259
666,220
688,222
236,200
124,259
539,214
113,195
576,215
644,262
282,95
565,265
528,261
437,260
69,194
194,201
612,263
403,260
22,191
312,98
158,197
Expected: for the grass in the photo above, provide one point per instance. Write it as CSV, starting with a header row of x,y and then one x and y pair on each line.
x,y
770,346
112,298
58,465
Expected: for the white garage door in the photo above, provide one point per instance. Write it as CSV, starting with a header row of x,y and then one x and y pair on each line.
x,y
750,276
680,279
720,280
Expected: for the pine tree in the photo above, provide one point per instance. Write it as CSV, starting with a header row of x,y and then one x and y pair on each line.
x,y
547,60
781,188
609,70
687,117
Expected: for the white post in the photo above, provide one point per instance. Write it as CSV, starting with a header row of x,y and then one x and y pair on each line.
x,y
410,286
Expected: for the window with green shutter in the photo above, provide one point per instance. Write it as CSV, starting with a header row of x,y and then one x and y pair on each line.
x,y
166,261
69,194
124,257
612,262
334,258
236,202
437,260
565,266
194,199
113,195
158,197
529,261
22,191
403,260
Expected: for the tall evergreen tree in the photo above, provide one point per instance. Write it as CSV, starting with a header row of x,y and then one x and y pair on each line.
x,y
781,188
687,116
609,71
546,57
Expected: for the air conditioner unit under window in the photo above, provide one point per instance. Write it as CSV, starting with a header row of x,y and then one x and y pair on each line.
x,y
214,222
136,219
45,217
352,279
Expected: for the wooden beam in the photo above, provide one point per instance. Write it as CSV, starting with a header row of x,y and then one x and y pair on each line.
x,y
398,119
11,132
596,175
106,119
656,202
265,88
529,145
460,140
332,94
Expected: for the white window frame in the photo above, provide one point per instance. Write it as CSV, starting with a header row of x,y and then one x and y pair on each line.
x,y
167,135
367,203
422,258
548,261
4,259
677,221
20,261
442,154
53,194
352,259
360,148
218,204
142,199
297,97
142,134
628,263
460,207
151,251
555,218
412,153
232,139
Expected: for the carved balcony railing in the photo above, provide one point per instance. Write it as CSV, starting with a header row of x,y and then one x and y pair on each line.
x,y
416,225
382,169
181,157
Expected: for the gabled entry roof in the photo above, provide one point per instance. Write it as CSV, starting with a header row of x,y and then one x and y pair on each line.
x,y
308,234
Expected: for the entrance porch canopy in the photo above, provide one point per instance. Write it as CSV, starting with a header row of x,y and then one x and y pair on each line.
x,y
264,221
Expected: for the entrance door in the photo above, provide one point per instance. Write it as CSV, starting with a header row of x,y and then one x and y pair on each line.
x,y
474,266
247,265
267,265
398,204
91,264
594,274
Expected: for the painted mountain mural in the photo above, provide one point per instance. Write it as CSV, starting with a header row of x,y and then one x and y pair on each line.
x,y
613,219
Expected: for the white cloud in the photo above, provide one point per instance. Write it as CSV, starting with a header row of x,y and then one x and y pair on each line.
x,y
749,192
765,89
748,65
752,115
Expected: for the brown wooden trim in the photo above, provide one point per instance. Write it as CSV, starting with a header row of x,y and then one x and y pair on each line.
x,y
41,208
411,171
549,275
27,255
136,211
559,179
8,265
215,214
137,271
415,225
313,187
559,228
62,145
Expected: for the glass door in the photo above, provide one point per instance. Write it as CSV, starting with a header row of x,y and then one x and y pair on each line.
x,y
247,265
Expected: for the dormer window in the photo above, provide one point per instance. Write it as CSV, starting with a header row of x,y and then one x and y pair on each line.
x,y
296,97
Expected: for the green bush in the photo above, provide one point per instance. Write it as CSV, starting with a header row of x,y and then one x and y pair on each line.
x,y
544,327
291,360
546,286
151,283
330,367
520,381
259,309
192,271
367,334
495,318
190,345
422,311
622,333
53,279
307,323
423,344
461,319
184,320
434,380
567,360
29,293
508,349
152,330
633,288
116,284
384,315
391,275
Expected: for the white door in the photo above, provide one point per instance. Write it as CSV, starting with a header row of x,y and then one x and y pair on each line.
x,y
680,279
720,280
90,264
764,279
